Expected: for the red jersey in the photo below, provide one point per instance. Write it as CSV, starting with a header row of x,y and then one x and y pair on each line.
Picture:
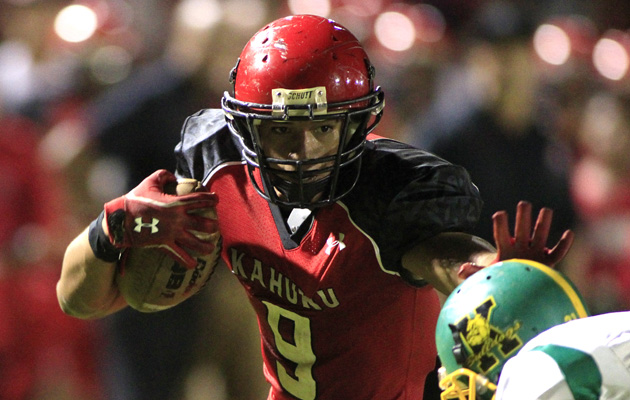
x,y
336,319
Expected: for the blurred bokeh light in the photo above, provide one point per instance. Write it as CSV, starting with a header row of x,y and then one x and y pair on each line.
x,y
76,23
395,31
610,56
199,14
552,44
315,7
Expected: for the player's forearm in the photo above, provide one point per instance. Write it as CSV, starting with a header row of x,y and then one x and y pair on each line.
x,y
443,273
438,259
86,288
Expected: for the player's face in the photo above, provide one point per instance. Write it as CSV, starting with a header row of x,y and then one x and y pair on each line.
x,y
300,140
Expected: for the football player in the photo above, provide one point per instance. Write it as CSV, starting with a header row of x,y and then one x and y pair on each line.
x,y
338,236
518,330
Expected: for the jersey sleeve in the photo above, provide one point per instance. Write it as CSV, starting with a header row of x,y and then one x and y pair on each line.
x,y
532,375
413,195
205,144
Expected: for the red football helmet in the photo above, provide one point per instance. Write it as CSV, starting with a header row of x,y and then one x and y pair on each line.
x,y
304,67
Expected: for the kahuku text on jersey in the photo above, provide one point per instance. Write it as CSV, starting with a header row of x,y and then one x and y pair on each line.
x,y
267,277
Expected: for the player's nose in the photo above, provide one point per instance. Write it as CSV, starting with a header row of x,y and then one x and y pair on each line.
x,y
303,145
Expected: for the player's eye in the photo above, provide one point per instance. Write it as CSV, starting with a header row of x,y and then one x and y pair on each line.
x,y
280,130
326,129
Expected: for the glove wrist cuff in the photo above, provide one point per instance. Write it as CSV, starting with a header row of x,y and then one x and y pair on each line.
x,y
114,212
99,242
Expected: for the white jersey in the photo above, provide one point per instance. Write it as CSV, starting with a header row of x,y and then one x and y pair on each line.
x,y
587,358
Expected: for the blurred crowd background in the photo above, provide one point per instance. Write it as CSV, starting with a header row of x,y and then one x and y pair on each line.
x,y
531,97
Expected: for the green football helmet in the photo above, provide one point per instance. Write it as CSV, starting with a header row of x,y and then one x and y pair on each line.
x,y
491,315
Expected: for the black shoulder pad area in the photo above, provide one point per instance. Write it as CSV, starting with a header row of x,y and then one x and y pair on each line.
x,y
206,142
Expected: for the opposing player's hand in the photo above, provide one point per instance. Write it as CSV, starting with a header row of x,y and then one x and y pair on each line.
x,y
147,216
525,243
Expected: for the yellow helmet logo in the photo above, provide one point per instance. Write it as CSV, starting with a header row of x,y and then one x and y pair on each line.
x,y
483,341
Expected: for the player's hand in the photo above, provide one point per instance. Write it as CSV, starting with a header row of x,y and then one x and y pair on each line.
x,y
149,217
525,243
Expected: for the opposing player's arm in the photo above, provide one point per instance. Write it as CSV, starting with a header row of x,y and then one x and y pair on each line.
x,y
86,288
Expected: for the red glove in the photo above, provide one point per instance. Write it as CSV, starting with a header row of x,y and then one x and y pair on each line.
x,y
522,245
149,217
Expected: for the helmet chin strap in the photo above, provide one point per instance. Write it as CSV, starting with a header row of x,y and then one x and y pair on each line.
x,y
302,193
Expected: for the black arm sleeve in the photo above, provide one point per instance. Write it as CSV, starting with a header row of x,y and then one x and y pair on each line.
x,y
406,195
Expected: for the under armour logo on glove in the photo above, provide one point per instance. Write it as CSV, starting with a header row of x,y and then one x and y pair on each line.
x,y
178,216
152,225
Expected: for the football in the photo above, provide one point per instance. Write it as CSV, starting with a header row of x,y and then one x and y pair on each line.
x,y
150,280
